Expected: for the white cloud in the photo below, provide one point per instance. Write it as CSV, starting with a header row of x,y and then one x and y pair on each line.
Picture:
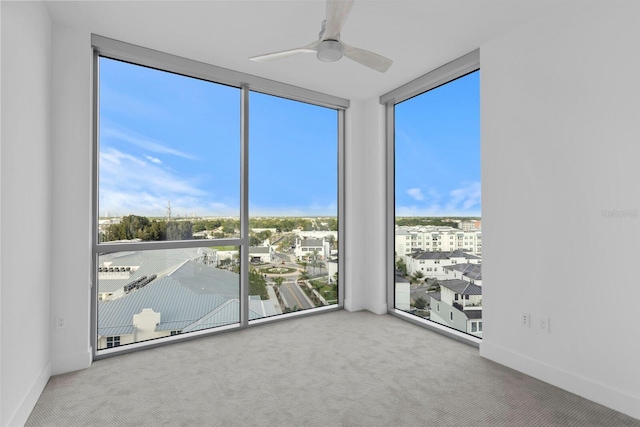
x,y
465,198
142,142
462,201
416,193
131,185
154,160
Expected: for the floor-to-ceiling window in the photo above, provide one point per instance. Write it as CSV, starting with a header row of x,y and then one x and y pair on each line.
x,y
215,204
435,236
293,194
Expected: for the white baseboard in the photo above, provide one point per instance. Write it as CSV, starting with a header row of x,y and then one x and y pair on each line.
x,y
351,307
600,393
21,415
380,308
71,362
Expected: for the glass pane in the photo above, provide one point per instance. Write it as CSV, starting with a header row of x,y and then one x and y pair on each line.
x,y
169,156
152,294
438,234
293,203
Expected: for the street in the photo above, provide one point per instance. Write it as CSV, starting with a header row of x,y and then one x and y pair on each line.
x,y
295,296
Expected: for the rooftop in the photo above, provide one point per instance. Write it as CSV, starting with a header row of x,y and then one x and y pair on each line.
x,y
472,271
461,287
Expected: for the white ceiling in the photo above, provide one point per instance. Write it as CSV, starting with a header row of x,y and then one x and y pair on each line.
x,y
417,35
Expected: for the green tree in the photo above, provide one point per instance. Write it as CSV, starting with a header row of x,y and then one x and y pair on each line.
x,y
264,235
420,303
155,231
304,265
314,260
130,227
401,266
332,241
258,284
303,276
229,226
179,230
278,281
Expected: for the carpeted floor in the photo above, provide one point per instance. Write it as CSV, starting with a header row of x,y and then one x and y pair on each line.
x,y
333,369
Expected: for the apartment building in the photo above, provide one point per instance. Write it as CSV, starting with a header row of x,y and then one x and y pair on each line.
x,y
437,239
433,264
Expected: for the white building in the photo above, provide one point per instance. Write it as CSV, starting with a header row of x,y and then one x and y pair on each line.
x,y
458,305
307,247
436,239
470,224
316,234
469,272
261,254
402,293
432,264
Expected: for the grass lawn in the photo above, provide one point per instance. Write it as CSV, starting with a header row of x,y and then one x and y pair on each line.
x,y
329,291
224,248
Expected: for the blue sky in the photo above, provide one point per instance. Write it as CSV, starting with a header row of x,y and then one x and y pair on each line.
x,y
165,137
438,151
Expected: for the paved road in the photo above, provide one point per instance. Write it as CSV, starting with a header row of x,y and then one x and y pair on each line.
x,y
295,296
419,292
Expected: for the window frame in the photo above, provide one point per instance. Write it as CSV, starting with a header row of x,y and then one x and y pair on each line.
x,y
137,55
448,72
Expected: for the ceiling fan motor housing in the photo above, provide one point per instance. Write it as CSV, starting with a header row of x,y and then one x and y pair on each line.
x,y
329,51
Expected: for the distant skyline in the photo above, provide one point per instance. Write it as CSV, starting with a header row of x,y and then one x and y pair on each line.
x,y
166,137
437,151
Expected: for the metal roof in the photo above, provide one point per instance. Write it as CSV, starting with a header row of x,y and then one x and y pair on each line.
x,y
148,262
472,271
473,314
258,250
461,287
204,279
112,331
166,296
311,242
191,298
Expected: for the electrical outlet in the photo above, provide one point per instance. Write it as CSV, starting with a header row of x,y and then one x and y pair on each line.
x,y
544,325
61,322
525,320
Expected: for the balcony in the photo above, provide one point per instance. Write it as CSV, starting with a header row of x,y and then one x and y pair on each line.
x,y
467,306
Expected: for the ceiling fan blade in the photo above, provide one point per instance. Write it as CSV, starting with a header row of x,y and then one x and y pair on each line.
x,y
337,13
366,58
310,48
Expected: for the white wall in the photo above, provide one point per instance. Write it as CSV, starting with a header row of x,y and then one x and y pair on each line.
x,y
25,175
560,144
71,198
365,208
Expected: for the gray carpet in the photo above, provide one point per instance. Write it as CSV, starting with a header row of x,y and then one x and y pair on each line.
x,y
333,369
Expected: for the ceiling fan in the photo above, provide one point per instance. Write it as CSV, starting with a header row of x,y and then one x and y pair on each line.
x,y
329,47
